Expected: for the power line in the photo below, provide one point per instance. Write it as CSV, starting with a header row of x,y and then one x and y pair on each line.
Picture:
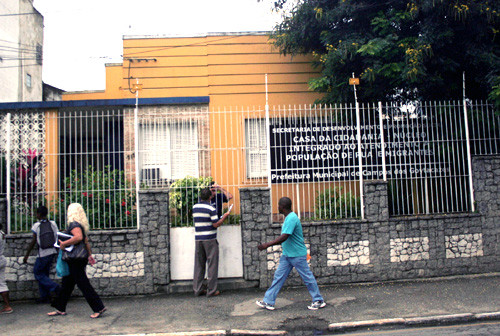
x,y
180,46
12,49
19,58
18,14
16,43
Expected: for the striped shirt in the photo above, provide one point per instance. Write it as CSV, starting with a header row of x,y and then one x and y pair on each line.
x,y
204,216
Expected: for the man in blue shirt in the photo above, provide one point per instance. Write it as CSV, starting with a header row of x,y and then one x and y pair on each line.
x,y
206,222
294,255
219,197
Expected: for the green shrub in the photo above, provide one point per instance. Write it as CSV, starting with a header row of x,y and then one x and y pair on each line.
x,y
183,195
335,204
107,196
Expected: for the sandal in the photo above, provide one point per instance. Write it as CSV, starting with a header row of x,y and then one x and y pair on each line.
x,y
98,314
6,311
56,313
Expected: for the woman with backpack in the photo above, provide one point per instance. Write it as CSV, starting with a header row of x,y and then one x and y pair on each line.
x,y
77,259
45,235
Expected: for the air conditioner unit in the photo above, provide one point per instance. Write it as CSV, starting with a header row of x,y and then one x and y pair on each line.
x,y
148,174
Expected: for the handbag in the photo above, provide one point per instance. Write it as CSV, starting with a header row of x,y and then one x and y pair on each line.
x,y
62,268
79,252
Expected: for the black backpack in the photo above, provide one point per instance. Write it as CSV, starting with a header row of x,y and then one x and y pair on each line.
x,y
47,234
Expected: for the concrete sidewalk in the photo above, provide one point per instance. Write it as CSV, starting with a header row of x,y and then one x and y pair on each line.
x,y
405,301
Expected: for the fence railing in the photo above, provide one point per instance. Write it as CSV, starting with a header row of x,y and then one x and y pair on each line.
x,y
308,153
61,157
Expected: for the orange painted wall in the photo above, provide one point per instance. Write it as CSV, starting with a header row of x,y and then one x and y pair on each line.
x,y
228,68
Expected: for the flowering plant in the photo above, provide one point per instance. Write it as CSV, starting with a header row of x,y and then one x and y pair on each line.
x,y
106,195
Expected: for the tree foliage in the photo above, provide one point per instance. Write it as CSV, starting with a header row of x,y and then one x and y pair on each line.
x,y
406,49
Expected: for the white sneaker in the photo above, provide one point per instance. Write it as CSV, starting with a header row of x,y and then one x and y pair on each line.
x,y
317,305
264,305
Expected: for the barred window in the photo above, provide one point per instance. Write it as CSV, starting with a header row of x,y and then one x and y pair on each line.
x,y
256,148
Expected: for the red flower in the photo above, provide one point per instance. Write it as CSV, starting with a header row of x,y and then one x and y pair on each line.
x,y
84,194
107,200
124,203
90,195
128,213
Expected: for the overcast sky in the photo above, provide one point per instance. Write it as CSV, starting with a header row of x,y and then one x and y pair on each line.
x,y
81,36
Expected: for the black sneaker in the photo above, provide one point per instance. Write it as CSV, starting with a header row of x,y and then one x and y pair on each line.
x,y
316,305
265,305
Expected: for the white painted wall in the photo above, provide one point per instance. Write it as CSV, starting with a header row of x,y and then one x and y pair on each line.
x,y
19,37
182,252
9,63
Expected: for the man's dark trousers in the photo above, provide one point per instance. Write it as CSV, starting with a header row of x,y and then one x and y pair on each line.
x,y
41,271
206,252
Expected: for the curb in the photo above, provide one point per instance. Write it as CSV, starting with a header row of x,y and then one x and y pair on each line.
x,y
232,332
415,321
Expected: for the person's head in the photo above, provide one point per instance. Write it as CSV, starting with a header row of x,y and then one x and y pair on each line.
x,y
213,187
77,214
285,205
205,194
41,212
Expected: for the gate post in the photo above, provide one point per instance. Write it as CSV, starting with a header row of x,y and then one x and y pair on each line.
x,y
255,221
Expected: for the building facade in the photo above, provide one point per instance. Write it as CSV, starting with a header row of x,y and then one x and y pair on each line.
x,y
21,57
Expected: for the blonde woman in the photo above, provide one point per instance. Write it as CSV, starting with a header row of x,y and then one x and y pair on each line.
x,y
78,227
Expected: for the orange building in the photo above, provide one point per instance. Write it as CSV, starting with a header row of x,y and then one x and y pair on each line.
x,y
228,70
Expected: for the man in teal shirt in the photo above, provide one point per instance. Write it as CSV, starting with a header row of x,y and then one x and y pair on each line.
x,y
294,255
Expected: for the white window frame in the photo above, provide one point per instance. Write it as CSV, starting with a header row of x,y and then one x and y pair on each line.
x,y
163,145
256,148
28,80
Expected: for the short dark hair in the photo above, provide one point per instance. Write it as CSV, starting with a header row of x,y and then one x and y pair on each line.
x,y
286,203
42,210
205,194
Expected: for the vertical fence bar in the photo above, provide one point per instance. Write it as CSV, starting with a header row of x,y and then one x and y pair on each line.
x,y
136,155
469,156
268,145
382,141
7,182
268,139
360,162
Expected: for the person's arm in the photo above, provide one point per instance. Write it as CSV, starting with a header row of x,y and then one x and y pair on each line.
x,y
228,195
30,247
89,250
221,220
277,241
77,237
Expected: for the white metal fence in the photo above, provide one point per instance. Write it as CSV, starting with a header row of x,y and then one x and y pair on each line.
x,y
312,154
60,157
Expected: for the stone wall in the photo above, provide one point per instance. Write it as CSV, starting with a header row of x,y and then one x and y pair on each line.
x,y
128,261
255,213
375,249
383,248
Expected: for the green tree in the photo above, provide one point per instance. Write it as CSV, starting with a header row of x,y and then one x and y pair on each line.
x,y
406,49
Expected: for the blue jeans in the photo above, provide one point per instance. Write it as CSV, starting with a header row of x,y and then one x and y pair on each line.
x,y
41,271
284,268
